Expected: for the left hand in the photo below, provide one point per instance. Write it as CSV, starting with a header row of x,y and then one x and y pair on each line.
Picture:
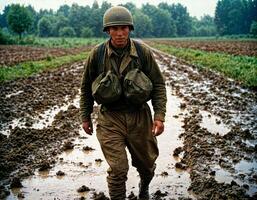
x,y
158,127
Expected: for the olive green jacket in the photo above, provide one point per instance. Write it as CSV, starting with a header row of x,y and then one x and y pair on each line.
x,y
129,61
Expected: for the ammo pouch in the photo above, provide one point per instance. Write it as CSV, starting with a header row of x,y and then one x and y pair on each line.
x,y
137,87
106,88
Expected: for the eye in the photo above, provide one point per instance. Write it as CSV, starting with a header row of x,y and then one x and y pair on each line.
x,y
124,28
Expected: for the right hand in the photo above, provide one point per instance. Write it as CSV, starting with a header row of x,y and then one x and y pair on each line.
x,y
88,127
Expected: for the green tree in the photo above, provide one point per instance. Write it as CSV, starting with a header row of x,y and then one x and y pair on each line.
x,y
44,27
162,23
5,38
237,16
59,22
252,10
87,32
95,23
79,17
203,27
63,10
130,6
95,5
19,19
233,16
142,24
105,6
253,29
67,32
180,16
33,27
3,17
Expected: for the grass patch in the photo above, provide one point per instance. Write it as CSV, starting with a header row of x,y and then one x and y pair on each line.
x,y
209,38
65,42
29,68
241,68
49,42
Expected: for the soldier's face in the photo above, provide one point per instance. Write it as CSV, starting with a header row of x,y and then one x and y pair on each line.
x,y
119,35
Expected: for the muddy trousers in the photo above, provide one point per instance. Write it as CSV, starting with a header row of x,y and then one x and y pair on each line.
x,y
117,130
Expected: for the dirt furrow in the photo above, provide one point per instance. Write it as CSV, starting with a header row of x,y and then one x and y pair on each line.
x,y
15,54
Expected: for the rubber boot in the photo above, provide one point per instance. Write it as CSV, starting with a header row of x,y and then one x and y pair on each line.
x,y
144,190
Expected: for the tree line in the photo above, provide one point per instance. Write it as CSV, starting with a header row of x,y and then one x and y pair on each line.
x,y
164,20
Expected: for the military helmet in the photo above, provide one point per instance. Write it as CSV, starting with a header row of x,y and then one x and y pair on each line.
x,y
117,15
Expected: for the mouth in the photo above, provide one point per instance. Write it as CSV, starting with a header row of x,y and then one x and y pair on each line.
x,y
120,39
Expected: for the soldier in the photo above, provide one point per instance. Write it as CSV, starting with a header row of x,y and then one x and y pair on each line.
x,y
122,75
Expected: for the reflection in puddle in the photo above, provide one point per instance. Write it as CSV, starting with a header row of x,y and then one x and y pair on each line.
x,y
14,94
46,119
246,167
41,121
81,168
245,174
14,123
213,124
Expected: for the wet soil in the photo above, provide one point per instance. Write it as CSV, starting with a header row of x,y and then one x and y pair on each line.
x,y
207,152
14,54
25,98
214,117
248,48
37,94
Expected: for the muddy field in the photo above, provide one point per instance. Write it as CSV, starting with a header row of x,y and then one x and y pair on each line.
x,y
208,149
248,48
14,54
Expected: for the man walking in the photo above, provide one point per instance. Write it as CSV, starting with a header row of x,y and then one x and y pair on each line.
x,y
122,75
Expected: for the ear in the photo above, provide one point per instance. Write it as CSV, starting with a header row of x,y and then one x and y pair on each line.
x,y
108,30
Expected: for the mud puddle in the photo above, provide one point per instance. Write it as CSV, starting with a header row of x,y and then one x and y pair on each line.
x,y
241,170
213,124
40,121
82,166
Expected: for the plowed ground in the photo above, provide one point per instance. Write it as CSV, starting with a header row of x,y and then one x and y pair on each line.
x,y
248,48
14,54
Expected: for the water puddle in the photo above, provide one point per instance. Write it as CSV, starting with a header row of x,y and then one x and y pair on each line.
x,y
14,123
14,94
41,121
46,119
213,124
82,167
245,175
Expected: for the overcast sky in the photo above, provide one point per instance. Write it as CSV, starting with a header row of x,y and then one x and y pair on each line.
x,y
195,7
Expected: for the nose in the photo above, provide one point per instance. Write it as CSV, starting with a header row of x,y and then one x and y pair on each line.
x,y
119,31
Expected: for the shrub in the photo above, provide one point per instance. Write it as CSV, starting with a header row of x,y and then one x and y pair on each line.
x,y
67,32
6,38
253,29
87,32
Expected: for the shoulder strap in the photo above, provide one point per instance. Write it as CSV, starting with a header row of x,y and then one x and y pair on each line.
x,y
101,50
140,53
100,58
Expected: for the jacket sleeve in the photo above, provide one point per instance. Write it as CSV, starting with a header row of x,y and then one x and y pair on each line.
x,y
86,98
158,95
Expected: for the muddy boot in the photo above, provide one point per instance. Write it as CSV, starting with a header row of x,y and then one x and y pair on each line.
x,y
144,190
